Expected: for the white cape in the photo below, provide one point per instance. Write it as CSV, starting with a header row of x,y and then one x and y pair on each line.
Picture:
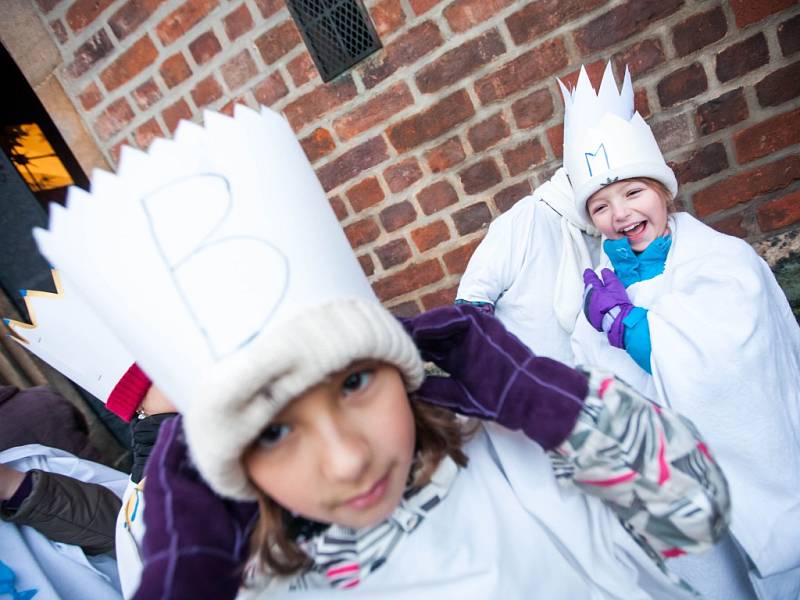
x,y
58,571
507,530
726,354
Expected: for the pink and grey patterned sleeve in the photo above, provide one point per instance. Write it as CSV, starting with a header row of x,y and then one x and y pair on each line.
x,y
651,467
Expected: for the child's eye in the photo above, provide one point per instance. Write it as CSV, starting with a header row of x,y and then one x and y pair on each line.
x,y
634,191
597,208
357,380
273,434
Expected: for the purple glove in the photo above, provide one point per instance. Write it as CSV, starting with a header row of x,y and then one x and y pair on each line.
x,y
606,304
494,376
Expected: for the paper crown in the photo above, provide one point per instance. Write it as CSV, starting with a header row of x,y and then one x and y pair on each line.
x,y
203,244
605,140
66,334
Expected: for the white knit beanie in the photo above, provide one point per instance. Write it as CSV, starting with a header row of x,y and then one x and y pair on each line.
x,y
244,392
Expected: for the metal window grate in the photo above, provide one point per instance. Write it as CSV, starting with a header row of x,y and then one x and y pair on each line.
x,y
338,33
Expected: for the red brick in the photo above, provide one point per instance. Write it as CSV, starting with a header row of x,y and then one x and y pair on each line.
x,y
206,91
375,111
271,89
113,119
366,264
455,65
543,16
205,47
90,96
789,35
239,70
437,196
394,253
174,113
779,213
398,215
405,50
673,133
594,70
621,23
533,109
480,176
362,232
129,64
779,86
317,144
146,133
311,106
555,137
747,185
175,70
524,156
522,72
402,174
422,6
508,197
742,57
278,41
83,12
59,31
182,19
488,133
131,15
387,16
88,54
365,194
116,150
238,22
748,12
682,84
430,235
698,31
640,102
472,218
229,107
640,57
456,260
352,163
302,69
767,137
464,14
269,7
339,207
726,110
445,155
732,225
410,308
444,297
47,5
700,164
413,277
431,123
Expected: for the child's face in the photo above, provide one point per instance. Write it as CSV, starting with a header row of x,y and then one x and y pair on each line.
x,y
631,208
342,451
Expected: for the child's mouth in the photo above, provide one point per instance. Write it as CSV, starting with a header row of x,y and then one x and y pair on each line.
x,y
635,230
372,496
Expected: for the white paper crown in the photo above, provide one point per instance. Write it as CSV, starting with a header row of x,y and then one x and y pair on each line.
x,y
605,140
203,243
66,334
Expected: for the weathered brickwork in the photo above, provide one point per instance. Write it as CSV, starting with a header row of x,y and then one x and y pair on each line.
x,y
459,115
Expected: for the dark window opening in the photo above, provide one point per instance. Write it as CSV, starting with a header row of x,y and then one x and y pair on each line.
x,y
337,33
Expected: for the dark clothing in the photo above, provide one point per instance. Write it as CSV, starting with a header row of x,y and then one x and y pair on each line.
x,y
65,510
144,433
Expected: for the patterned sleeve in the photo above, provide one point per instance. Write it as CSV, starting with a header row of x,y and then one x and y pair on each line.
x,y
649,465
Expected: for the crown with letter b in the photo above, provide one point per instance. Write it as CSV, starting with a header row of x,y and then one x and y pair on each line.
x,y
605,140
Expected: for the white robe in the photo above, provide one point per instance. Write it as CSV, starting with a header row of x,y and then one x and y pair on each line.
x,y
516,268
55,570
507,530
726,354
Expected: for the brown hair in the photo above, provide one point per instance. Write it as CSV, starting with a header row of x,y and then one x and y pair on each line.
x,y
439,433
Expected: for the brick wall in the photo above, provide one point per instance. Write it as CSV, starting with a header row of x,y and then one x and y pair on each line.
x,y
459,115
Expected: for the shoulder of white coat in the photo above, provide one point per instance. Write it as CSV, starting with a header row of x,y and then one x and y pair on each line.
x,y
710,244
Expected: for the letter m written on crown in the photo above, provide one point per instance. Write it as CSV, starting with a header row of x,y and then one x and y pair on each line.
x,y
597,161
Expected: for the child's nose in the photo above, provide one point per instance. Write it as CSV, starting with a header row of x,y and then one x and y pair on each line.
x,y
345,454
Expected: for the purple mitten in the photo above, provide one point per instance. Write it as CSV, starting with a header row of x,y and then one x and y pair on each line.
x,y
606,304
494,376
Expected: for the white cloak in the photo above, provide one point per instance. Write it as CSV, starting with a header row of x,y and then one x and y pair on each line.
x,y
726,354
55,570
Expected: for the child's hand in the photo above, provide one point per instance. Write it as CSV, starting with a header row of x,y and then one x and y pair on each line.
x,y
606,304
